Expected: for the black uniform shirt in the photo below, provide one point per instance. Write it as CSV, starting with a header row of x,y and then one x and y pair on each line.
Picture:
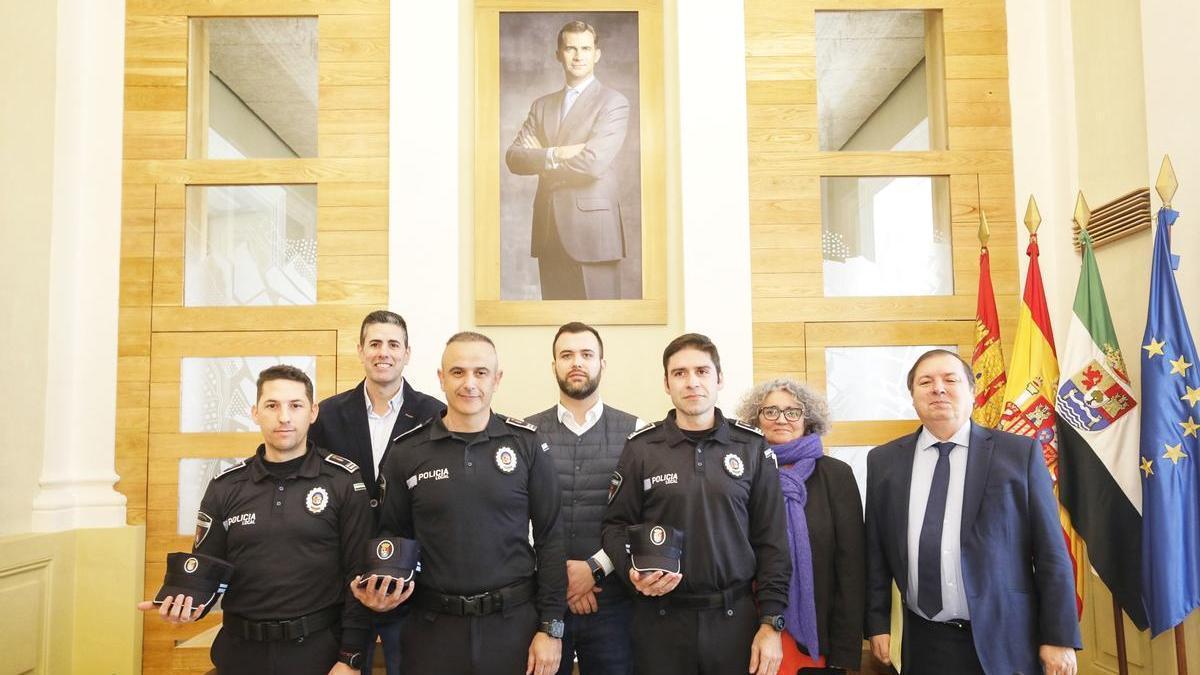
x,y
470,505
296,542
722,491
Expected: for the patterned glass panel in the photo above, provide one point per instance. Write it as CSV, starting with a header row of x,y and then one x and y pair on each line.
x,y
856,457
251,245
868,383
886,236
216,393
194,475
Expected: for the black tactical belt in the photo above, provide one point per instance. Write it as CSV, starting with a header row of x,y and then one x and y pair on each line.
x,y
480,604
722,599
288,629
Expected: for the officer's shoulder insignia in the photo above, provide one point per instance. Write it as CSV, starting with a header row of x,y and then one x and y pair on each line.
x,y
339,461
770,454
614,485
639,432
520,423
240,464
748,427
410,432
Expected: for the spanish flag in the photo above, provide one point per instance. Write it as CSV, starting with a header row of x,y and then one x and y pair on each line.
x,y
987,361
1032,386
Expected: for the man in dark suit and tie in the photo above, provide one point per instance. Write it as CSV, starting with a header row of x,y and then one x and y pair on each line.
x,y
964,520
569,141
360,423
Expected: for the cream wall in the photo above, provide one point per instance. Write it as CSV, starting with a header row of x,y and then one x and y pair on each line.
x,y
431,212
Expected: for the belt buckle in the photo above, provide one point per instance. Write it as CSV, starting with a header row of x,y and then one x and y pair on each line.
x,y
273,631
473,604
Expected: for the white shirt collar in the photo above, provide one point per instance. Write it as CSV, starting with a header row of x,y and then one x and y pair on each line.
x,y
393,404
582,85
589,418
926,439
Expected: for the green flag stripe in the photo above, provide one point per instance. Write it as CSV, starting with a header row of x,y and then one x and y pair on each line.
x,y
1090,304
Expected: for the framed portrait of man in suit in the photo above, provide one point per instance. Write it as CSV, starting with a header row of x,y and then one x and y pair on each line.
x,y
570,177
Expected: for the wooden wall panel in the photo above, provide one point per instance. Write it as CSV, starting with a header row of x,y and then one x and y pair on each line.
x,y
790,312
156,330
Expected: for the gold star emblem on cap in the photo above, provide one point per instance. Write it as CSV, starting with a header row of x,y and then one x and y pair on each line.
x,y
1147,468
1189,427
1192,396
1155,348
1179,366
1174,452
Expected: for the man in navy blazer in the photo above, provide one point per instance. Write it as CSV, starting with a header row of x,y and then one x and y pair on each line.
x,y
359,424
964,520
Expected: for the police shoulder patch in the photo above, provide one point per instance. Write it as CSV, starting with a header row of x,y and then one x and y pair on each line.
x,y
748,427
410,431
520,423
241,464
639,432
339,461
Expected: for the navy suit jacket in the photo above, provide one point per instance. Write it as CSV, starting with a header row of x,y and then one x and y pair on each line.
x,y
1019,583
342,426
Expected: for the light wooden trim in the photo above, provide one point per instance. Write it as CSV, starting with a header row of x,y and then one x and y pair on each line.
x,y
489,308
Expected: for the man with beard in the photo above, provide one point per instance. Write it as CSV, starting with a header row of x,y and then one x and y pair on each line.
x,y
586,438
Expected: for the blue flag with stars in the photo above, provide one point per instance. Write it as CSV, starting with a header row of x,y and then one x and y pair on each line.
x,y
1170,447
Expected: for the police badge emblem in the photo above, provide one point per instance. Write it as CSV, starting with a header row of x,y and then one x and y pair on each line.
x,y
506,459
385,549
734,465
317,500
658,535
190,565
614,485
203,526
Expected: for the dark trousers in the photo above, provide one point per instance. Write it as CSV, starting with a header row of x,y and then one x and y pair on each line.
x,y
600,641
496,644
932,648
313,654
693,641
564,278
389,636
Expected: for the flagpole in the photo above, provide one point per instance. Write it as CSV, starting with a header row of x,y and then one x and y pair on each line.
x,y
1165,185
1082,217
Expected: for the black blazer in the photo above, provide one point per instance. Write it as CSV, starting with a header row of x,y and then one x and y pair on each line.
x,y
836,534
342,426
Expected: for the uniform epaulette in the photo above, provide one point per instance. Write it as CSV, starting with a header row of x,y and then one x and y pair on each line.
x,y
747,427
410,431
339,461
638,432
241,464
519,423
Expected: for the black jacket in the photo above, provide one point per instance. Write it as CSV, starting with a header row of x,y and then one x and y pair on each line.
x,y
342,426
835,532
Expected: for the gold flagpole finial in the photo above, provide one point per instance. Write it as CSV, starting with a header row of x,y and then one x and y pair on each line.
x,y
1082,214
1033,217
984,232
1166,183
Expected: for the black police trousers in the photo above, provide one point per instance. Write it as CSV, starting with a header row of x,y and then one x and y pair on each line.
x,y
495,644
313,654
683,641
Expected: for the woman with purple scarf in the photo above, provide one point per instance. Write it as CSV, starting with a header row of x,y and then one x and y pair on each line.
x,y
824,615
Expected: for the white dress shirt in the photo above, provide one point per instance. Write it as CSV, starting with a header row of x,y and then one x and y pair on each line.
x,y
382,425
954,596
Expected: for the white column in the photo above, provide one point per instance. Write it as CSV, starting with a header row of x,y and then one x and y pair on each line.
x,y
428,52
76,486
714,176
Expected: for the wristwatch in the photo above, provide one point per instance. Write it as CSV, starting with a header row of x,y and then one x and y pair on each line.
x,y
597,570
352,659
773,620
553,628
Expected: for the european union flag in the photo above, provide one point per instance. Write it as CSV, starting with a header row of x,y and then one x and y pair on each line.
x,y
1170,447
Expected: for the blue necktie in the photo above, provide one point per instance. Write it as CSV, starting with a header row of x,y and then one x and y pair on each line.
x,y
929,547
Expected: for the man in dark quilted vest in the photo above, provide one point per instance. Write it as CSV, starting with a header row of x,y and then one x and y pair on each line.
x,y
586,438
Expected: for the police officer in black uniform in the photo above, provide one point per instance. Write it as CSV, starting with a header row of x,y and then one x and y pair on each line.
x,y
294,520
470,487
716,480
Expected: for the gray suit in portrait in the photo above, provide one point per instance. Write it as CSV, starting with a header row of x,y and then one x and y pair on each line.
x,y
578,236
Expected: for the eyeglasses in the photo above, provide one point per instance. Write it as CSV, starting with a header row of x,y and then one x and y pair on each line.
x,y
790,414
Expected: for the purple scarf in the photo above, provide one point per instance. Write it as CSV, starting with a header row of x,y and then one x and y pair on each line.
x,y
801,613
